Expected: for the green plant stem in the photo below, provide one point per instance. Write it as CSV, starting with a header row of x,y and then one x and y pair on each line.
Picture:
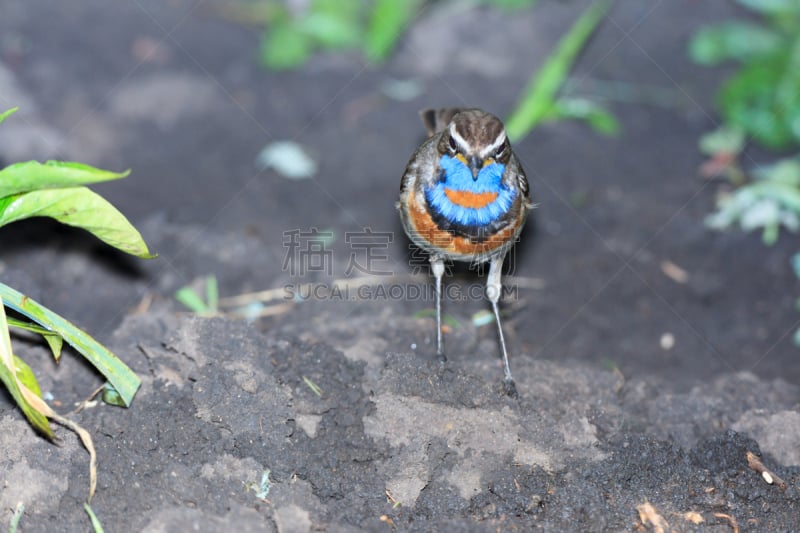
x,y
540,93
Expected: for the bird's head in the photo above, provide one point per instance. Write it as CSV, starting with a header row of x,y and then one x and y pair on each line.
x,y
477,139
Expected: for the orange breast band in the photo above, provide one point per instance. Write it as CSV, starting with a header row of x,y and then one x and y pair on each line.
x,y
473,200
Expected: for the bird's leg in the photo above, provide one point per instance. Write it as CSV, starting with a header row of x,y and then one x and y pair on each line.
x,y
494,288
437,266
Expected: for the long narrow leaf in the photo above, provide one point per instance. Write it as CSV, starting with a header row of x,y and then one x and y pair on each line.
x,y
737,40
5,114
33,175
80,207
212,293
12,372
54,340
599,118
118,374
188,297
540,93
389,18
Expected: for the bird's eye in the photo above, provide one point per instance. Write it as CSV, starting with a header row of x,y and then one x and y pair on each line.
x,y
452,143
501,149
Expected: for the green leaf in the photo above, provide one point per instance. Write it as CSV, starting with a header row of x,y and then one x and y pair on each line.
x,y
54,340
749,100
12,369
331,30
741,41
212,293
723,140
785,171
32,175
112,397
285,46
79,207
16,517
125,381
389,19
772,7
787,195
5,114
189,298
600,119
26,377
770,233
539,95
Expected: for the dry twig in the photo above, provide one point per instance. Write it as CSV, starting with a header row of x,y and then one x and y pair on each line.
x,y
731,520
769,476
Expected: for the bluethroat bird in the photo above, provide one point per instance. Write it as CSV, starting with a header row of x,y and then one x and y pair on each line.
x,y
464,197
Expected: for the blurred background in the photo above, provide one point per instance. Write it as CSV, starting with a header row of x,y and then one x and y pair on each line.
x,y
655,134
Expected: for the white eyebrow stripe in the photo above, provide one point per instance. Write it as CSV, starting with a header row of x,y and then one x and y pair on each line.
x,y
495,145
459,139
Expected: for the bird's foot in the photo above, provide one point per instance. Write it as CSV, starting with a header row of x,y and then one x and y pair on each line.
x,y
510,388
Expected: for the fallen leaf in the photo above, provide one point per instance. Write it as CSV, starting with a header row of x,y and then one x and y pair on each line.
x,y
288,159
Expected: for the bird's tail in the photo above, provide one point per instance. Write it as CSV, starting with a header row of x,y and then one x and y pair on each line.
x,y
435,120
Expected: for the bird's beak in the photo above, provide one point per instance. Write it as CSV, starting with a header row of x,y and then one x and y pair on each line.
x,y
475,165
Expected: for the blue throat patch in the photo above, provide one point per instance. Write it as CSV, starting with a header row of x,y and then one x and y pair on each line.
x,y
458,177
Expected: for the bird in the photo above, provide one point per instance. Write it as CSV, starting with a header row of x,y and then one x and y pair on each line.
x,y
465,197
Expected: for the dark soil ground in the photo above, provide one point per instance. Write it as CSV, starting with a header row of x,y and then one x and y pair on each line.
x,y
616,428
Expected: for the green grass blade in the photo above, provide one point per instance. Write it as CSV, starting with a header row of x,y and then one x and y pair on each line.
x,y
79,207
122,378
599,118
313,386
540,93
389,18
17,516
12,369
734,40
284,45
5,114
32,175
212,293
96,525
189,298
